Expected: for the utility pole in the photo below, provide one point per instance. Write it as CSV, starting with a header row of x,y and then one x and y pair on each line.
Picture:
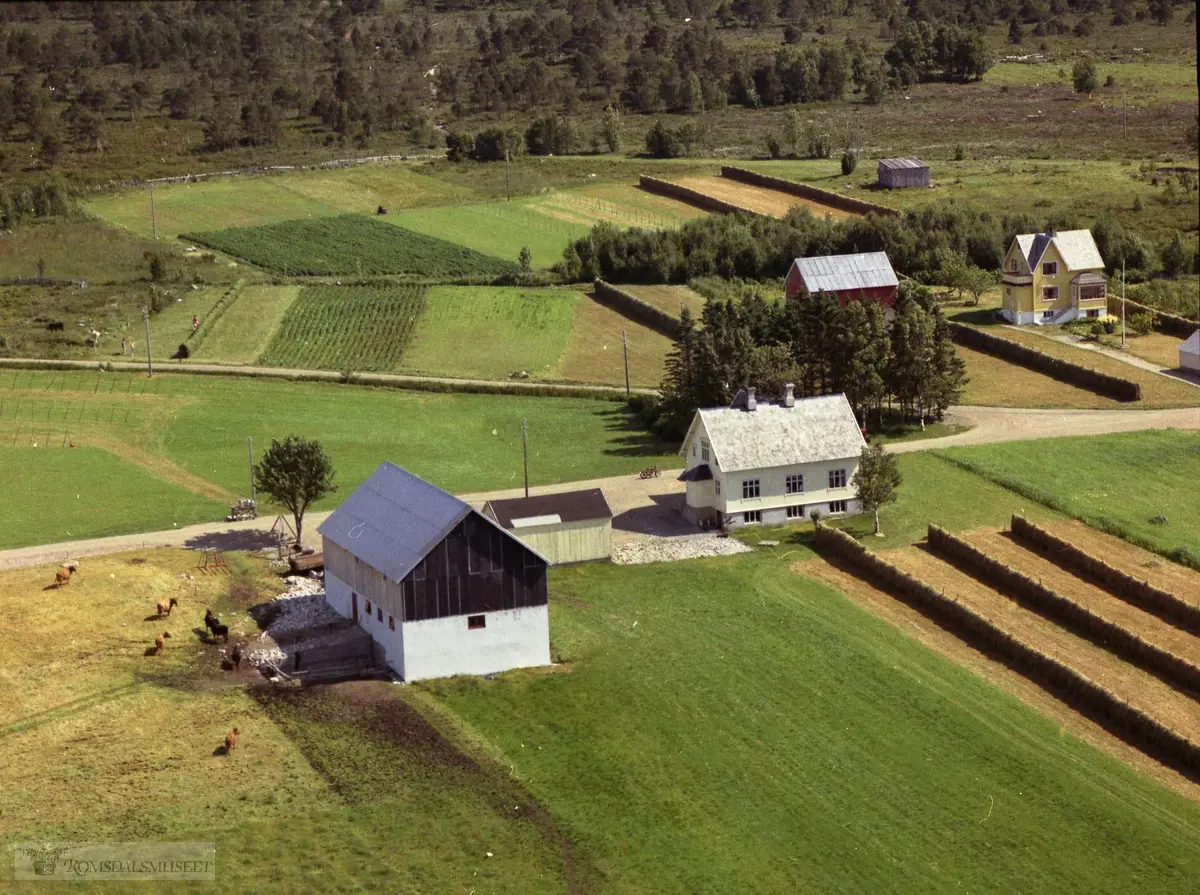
x,y
1124,118
507,191
149,363
153,216
525,452
625,346
1122,302
250,446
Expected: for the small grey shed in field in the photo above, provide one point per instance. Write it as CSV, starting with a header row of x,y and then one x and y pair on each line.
x,y
897,173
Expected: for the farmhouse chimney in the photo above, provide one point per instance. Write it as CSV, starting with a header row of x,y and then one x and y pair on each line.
x,y
789,398
751,403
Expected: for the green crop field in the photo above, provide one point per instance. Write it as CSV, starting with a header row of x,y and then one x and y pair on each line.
x,y
731,726
246,328
490,332
340,328
350,245
1119,483
499,229
191,431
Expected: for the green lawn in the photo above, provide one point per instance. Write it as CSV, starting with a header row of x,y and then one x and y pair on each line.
x,y
490,332
1115,482
243,332
731,726
499,229
54,493
172,326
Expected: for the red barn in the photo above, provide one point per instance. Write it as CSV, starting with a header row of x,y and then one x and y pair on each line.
x,y
867,276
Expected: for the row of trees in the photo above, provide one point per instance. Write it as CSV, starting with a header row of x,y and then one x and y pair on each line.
x,y
47,197
818,345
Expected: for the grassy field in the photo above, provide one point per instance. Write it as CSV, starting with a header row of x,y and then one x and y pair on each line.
x,y
756,198
491,332
498,229
350,245
670,298
79,249
244,331
172,326
821,750
192,430
594,350
340,328
253,201
1118,483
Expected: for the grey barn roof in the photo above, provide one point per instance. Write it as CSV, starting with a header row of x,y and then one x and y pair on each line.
x,y
840,273
813,431
901,163
569,506
393,519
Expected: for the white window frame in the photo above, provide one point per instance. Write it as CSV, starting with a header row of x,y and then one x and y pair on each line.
x,y
752,517
834,476
795,511
753,485
704,450
1049,268
1048,289
837,506
1047,314
717,484
794,479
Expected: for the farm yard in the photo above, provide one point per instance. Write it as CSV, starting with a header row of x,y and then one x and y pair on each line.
x,y
346,328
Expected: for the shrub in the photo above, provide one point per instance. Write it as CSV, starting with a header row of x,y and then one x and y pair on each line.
x,y
960,152
849,162
1141,324
774,148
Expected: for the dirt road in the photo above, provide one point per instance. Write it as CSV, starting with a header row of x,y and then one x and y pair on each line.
x,y
639,505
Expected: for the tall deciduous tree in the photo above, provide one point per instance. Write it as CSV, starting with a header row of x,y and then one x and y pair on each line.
x,y
876,479
295,473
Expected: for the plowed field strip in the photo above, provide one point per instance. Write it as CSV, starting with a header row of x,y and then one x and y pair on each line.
x,y
1136,561
1149,627
1137,687
757,198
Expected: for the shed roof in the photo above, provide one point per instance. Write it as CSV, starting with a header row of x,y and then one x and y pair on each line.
x,y
393,519
841,273
812,431
1192,344
894,163
1077,248
568,506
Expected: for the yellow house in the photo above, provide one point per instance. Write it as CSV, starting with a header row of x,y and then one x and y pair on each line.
x,y
1053,278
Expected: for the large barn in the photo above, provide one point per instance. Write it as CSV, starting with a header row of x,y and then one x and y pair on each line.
x,y
438,585
572,526
900,173
866,276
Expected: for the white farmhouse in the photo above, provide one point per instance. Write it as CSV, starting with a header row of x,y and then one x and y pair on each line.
x,y
765,462
442,588
1189,353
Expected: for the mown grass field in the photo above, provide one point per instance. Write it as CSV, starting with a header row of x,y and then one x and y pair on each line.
x,y
252,201
729,725
244,331
498,229
346,328
491,332
350,245
192,431
671,299
595,354
1118,483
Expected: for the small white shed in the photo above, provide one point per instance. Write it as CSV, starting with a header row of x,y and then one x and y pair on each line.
x,y
1189,353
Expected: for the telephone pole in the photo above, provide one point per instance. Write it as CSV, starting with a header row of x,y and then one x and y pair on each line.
x,y
1122,302
149,363
625,346
507,190
153,216
525,452
1124,118
250,446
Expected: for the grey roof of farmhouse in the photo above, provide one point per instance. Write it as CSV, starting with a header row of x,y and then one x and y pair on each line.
x,y
838,273
1077,248
393,519
902,163
813,431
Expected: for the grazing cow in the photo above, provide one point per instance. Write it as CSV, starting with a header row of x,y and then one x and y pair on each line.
x,y
93,339
164,607
219,630
63,576
210,620
160,642
55,326
231,739
235,656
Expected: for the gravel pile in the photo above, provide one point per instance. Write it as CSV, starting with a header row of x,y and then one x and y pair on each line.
x,y
302,606
655,549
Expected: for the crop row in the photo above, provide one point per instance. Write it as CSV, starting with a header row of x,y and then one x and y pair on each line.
x,y
350,245
346,328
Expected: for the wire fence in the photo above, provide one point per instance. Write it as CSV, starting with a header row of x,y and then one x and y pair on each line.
x,y
49,419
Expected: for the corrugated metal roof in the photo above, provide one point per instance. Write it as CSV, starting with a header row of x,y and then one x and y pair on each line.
x,y
1077,248
570,506
813,431
839,273
393,519
902,163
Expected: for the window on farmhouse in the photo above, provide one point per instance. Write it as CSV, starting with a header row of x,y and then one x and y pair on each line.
x,y
391,623
379,613
703,450
475,622
752,516
368,608
837,506
837,478
749,489
796,511
1012,265
717,483
1049,293
795,483
1050,269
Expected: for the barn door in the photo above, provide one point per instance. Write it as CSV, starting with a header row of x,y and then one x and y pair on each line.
x,y
354,605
